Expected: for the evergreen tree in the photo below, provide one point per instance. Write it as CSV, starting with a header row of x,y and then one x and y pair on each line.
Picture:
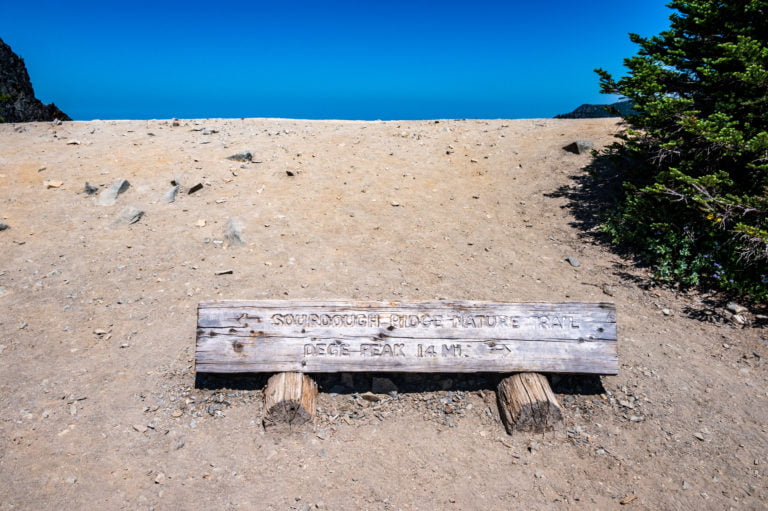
x,y
695,153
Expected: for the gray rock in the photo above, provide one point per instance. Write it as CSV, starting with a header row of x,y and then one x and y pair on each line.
x,y
573,261
90,189
170,195
735,308
4,226
129,215
241,156
109,196
382,386
579,147
234,234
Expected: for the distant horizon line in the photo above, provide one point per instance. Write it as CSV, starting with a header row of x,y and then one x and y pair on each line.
x,y
325,119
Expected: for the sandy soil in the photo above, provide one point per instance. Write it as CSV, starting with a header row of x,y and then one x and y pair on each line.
x,y
99,405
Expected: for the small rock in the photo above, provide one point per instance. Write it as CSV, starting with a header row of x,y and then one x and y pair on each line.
x,y
241,156
170,195
176,414
181,443
579,147
395,203
160,478
129,215
626,404
383,386
53,183
196,188
4,226
70,480
200,223
109,196
736,308
141,428
73,142
686,485
370,396
234,233
698,436
666,312
89,189
538,475
573,261
223,272
739,319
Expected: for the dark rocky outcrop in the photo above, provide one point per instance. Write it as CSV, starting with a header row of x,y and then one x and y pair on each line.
x,y
17,98
618,109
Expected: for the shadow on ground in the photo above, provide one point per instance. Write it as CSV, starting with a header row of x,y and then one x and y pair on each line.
x,y
384,383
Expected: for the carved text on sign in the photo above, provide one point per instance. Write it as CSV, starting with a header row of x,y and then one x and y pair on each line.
x,y
442,336
420,320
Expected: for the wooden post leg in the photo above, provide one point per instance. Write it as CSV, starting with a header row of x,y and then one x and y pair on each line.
x,y
527,403
289,399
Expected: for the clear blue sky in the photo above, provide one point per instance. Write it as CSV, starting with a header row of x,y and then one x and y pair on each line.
x,y
383,59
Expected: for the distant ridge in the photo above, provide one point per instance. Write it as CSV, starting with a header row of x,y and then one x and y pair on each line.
x,y
586,111
17,98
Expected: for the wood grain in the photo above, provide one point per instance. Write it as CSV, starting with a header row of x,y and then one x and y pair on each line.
x,y
527,403
289,399
445,336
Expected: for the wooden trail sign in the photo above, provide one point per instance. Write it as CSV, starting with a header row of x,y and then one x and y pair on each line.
x,y
443,336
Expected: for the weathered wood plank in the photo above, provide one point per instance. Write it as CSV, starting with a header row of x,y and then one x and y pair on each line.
x,y
289,399
285,336
527,403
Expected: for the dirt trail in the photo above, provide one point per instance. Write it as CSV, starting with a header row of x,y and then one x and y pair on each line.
x,y
99,408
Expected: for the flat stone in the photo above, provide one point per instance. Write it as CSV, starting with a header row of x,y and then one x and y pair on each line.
x,y
736,308
129,215
579,146
234,233
241,156
4,226
89,189
170,195
109,196
573,261
53,183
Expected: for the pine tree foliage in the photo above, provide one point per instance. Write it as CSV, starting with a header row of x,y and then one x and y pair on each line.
x,y
695,152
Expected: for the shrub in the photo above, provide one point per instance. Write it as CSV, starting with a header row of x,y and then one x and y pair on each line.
x,y
695,150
